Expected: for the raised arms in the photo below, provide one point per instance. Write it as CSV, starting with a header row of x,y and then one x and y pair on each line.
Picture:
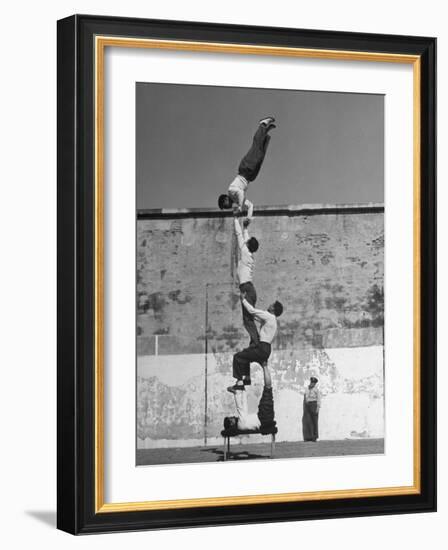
x,y
250,209
239,233
258,314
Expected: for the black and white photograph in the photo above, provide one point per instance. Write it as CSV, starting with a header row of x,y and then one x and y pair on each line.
x,y
259,274
222,283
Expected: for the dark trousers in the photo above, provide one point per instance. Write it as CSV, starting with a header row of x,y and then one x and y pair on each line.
x,y
253,354
248,320
310,421
251,163
266,407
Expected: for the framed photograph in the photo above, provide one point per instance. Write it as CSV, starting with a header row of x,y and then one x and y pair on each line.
x,y
246,274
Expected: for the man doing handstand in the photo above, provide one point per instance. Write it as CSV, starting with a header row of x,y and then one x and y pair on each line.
x,y
260,352
265,415
248,246
248,170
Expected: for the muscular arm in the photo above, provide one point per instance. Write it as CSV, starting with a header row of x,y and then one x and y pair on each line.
x,y
239,233
257,314
250,209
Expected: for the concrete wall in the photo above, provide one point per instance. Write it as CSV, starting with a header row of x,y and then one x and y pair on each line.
x,y
324,263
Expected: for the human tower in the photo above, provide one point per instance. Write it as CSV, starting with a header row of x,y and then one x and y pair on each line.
x,y
261,337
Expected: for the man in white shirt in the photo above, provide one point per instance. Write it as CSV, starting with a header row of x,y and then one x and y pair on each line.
x,y
248,170
265,415
311,406
260,352
247,246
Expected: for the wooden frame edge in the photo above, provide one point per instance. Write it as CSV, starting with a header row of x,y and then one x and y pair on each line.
x,y
100,43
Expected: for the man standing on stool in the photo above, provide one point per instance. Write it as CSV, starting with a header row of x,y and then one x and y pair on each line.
x,y
247,246
248,170
260,352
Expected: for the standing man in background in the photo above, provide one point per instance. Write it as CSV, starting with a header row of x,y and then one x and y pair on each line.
x,y
311,406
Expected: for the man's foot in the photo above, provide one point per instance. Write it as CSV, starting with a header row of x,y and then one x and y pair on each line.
x,y
268,121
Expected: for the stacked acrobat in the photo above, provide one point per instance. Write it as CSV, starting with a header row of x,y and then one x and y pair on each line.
x,y
259,348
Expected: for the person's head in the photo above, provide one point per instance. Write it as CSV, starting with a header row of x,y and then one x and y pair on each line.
x,y
230,423
276,308
252,244
224,202
313,381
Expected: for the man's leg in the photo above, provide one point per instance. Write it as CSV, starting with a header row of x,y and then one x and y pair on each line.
x,y
240,397
243,359
251,163
314,419
248,320
266,405
267,376
241,367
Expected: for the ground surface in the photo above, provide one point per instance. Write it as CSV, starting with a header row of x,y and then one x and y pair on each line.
x,y
299,449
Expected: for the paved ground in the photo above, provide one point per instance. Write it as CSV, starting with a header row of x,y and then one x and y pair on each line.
x,y
238,451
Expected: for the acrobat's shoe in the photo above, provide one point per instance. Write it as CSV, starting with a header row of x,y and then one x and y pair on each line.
x,y
268,121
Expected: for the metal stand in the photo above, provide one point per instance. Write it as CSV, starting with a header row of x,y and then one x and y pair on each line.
x,y
226,453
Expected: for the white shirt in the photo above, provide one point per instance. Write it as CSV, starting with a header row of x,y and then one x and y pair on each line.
x,y
237,192
246,420
312,394
246,262
268,322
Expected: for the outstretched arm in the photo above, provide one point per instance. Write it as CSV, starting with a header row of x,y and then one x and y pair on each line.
x,y
246,235
238,232
257,314
250,209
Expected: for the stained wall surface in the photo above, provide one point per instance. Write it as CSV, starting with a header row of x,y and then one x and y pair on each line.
x,y
324,263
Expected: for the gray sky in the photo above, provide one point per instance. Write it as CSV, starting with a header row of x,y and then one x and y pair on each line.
x,y
327,147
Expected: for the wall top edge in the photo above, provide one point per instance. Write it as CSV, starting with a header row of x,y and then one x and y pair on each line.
x,y
282,210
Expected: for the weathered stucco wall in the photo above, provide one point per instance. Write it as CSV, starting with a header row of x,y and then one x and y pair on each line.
x,y
324,263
